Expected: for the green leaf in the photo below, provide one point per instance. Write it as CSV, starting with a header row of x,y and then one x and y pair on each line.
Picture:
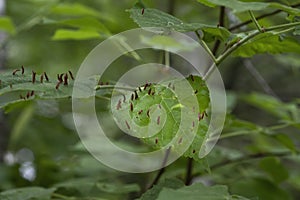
x,y
286,141
274,168
14,89
197,191
258,187
27,193
240,6
68,34
268,43
155,116
269,104
153,193
82,23
159,19
74,9
7,25
118,189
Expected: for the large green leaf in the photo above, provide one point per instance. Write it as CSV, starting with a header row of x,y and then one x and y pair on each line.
x,y
156,18
18,88
158,129
27,193
240,6
268,43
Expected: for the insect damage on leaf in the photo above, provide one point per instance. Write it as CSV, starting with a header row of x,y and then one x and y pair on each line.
x,y
156,107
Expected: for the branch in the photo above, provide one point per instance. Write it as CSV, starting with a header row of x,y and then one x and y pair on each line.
x,y
204,45
255,22
260,17
162,170
247,158
189,171
250,36
221,23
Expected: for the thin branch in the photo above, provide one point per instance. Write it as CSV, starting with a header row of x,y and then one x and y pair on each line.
x,y
247,158
162,170
260,17
204,45
255,22
189,171
263,83
222,24
250,36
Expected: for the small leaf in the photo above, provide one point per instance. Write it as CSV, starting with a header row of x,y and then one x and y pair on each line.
x,y
118,189
159,19
82,23
7,25
197,191
74,9
241,6
258,187
268,43
269,104
27,193
153,193
274,168
68,34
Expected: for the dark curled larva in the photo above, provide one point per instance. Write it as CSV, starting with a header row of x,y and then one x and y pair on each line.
x,y
149,92
57,85
146,85
136,95
46,77
180,141
33,76
140,89
66,79
32,93
131,107
132,96
140,112
156,141
196,91
71,75
28,95
148,113
194,151
42,78
127,125
23,70
61,77
192,77
119,105
143,10
124,98
15,71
